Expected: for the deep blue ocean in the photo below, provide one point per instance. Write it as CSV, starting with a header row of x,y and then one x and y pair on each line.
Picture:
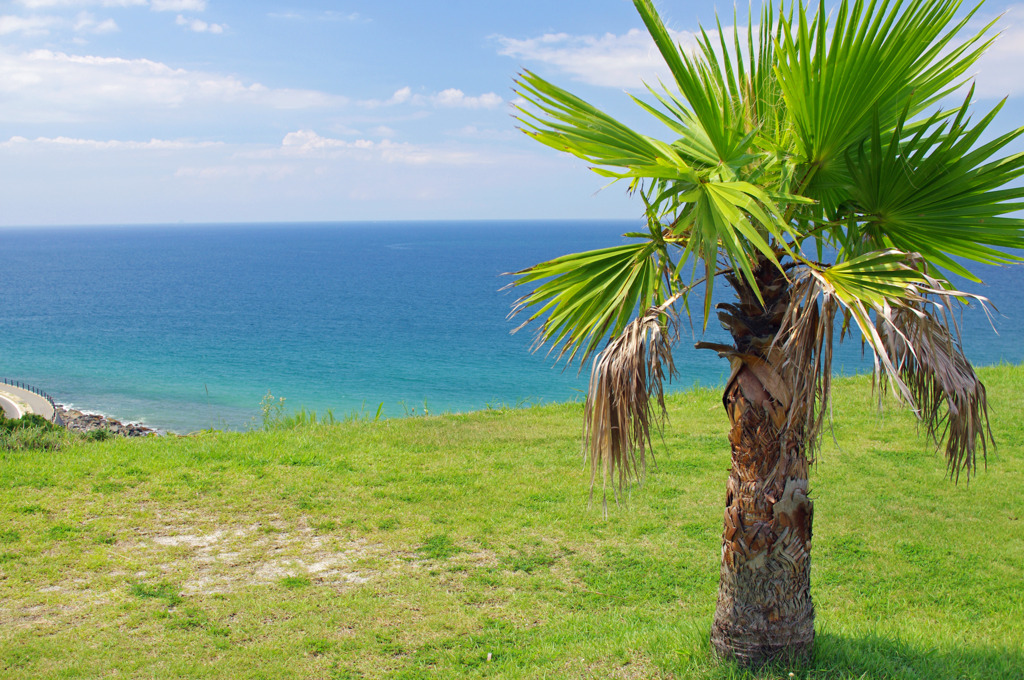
x,y
188,327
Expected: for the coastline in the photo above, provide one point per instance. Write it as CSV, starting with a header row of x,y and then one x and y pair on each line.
x,y
77,420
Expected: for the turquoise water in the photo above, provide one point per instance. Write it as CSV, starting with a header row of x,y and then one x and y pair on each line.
x,y
188,327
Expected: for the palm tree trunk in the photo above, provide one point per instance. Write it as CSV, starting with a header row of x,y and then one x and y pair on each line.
x,y
764,609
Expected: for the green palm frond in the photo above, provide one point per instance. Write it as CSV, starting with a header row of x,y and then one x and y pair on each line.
x,y
574,126
582,298
734,219
873,282
710,94
937,192
803,137
874,57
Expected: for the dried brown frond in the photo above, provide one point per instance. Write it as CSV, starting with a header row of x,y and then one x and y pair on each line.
x,y
918,354
946,392
618,417
804,349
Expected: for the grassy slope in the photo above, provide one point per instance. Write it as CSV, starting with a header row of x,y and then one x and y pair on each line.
x,y
418,547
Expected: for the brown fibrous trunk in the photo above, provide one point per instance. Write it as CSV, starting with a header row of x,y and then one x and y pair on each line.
x,y
764,610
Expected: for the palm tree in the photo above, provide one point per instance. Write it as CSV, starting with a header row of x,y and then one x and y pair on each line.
x,y
813,169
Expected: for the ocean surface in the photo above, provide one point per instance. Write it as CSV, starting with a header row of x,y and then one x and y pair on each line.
x,y
189,327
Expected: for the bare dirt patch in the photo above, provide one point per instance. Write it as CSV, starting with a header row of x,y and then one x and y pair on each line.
x,y
229,558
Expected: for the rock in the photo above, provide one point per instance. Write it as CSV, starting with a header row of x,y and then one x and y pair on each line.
x,y
77,421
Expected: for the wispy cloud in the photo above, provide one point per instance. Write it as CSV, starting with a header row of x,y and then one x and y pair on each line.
x,y
178,5
624,61
36,25
228,171
155,5
450,98
17,142
44,85
329,15
997,73
307,143
85,22
40,4
199,26
630,59
40,25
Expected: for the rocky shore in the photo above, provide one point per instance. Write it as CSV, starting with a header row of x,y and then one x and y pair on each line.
x,y
79,421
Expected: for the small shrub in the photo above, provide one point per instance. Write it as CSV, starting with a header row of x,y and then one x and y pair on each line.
x,y
29,420
40,438
99,435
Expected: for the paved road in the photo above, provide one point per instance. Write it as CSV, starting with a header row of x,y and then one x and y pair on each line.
x,y
16,401
10,409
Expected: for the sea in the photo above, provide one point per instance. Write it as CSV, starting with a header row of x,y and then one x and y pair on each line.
x,y
190,327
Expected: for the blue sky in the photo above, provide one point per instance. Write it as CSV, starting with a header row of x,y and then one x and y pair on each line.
x,y
165,111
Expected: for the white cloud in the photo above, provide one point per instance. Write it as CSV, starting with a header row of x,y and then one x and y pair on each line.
x,y
624,61
178,5
43,86
18,142
230,172
332,15
38,25
998,70
399,97
38,4
628,60
306,140
329,15
450,98
199,26
307,143
457,98
87,23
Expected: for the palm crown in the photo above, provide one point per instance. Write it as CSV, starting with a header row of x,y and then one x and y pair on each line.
x,y
799,139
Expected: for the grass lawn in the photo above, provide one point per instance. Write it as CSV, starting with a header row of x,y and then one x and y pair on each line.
x,y
463,546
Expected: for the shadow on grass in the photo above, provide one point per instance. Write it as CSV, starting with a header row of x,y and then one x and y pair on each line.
x,y
849,657
873,656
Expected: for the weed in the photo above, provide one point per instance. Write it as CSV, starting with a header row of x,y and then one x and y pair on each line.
x,y
168,592
31,510
529,562
62,532
326,526
107,487
105,538
273,411
319,646
439,547
295,582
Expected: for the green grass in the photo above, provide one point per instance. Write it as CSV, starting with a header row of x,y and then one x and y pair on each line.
x,y
463,546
